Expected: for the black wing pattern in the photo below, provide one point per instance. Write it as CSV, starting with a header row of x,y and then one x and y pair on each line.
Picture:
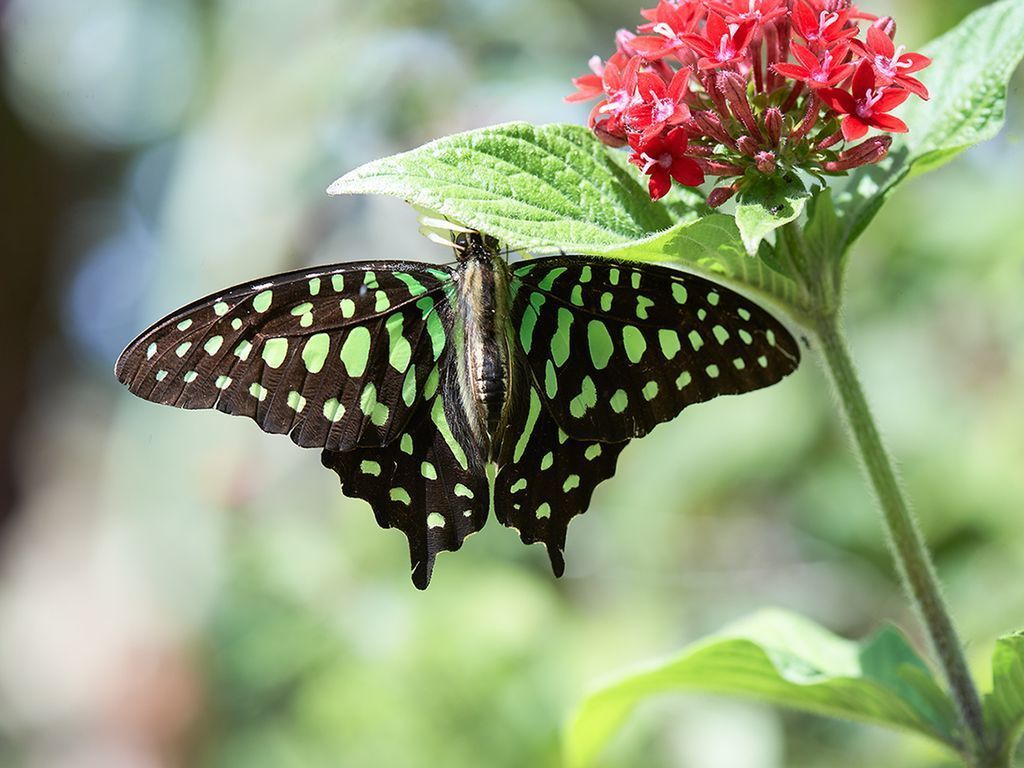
x,y
335,357
545,478
430,483
617,348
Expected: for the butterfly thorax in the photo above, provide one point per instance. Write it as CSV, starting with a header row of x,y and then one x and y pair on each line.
x,y
482,285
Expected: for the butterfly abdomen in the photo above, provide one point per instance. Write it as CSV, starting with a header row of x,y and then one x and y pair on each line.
x,y
484,364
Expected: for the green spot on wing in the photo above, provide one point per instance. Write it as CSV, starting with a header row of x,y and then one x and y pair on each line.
x,y
670,343
399,349
416,288
599,340
400,495
679,293
261,301
560,341
370,468
585,400
334,411
634,342
620,401
435,520
213,345
642,305
355,352
377,412
296,401
315,351
275,351
550,380
437,415
549,280
531,422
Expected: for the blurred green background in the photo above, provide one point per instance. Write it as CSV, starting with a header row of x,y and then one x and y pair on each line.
x,y
181,590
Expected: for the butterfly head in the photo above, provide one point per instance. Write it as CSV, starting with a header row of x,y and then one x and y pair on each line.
x,y
474,246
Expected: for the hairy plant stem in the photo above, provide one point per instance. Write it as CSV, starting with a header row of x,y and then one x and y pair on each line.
x,y
905,540
820,273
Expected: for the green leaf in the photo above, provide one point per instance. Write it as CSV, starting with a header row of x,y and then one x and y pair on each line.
x,y
765,204
786,660
556,187
1004,706
712,246
972,66
552,186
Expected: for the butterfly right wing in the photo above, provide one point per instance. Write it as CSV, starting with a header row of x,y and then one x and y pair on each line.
x,y
336,357
545,478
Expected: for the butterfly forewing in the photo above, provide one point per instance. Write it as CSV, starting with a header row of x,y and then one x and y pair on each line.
x,y
430,483
545,478
336,357
617,348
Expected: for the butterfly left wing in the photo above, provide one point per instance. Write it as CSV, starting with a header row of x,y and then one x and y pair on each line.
x,y
616,347
336,357
429,483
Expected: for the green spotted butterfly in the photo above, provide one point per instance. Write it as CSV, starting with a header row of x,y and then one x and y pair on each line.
x,y
412,379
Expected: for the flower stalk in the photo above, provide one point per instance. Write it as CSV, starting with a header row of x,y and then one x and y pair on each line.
x,y
905,540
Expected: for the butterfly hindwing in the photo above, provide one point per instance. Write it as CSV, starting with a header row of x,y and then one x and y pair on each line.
x,y
545,478
429,483
617,348
335,357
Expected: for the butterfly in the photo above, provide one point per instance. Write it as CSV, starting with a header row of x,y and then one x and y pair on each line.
x,y
413,379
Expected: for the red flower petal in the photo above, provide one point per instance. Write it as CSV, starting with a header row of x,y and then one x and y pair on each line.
x,y
793,71
838,100
687,172
659,184
805,57
891,99
880,43
889,124
853,128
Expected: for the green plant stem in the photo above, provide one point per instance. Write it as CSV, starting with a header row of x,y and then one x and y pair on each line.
x,y
907,544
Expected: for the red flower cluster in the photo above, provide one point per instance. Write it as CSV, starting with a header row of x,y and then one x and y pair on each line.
x,y
735,88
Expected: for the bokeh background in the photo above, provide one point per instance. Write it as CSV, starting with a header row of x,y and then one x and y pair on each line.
x,y
180,590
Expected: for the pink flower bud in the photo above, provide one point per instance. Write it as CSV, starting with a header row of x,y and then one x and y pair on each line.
x,y
719,168
765,162
809,120
734,87
830,141
720,195
887,24
773,125
605,137
871,151
710,125
748,146
624,42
